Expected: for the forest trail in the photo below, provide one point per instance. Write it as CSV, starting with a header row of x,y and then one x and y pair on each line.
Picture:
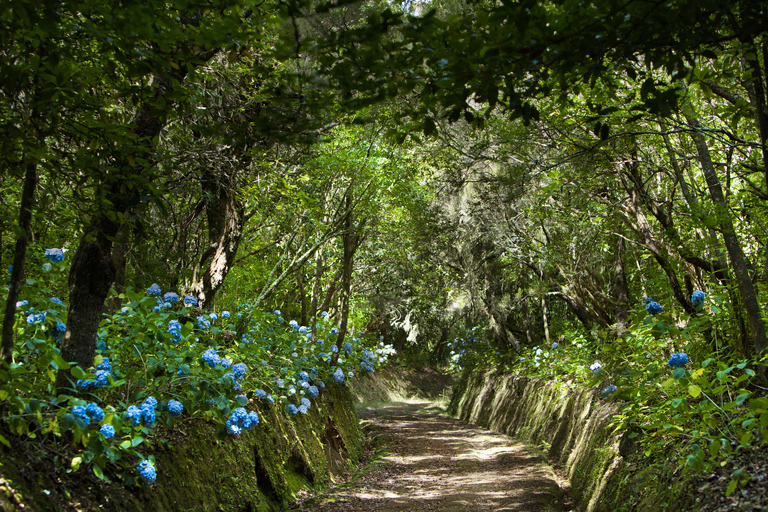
x,y
438,463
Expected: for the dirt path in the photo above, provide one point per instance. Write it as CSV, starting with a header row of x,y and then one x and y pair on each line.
x,y
442,464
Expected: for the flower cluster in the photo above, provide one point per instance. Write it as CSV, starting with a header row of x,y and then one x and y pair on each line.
x,y
88,413
170,297
697,298
154,290
174,329
189,300
147,471
144,414
653,307
211,357
678,360
55,255
608,391
338,375
175,408
596,367
103,372
241,420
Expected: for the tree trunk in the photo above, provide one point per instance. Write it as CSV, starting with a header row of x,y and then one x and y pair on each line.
x,y
732,245
544,319
19,257
225,216
620,287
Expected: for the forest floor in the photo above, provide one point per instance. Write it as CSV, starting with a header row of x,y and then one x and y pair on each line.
x,y
420,459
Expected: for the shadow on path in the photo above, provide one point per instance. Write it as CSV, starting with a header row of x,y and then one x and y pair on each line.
x,y
438,463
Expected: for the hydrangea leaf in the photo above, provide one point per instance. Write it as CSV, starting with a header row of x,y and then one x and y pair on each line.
x,y
242,400
678,373
78,373
694,390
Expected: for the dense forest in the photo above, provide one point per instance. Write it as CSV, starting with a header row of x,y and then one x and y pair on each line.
x,y
206,197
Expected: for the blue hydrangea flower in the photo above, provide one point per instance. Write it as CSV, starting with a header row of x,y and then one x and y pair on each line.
x,y
291,409
595,367
225,314
334,349
320,384
306,403
555,345
147,471
654,308
190,300
303,409
302,330
95,412
611,389
175,408
270,399
313,392
203,323
170,297
156,309
303,375
334,331
150,402
320,342
347,347
81,413
350,374
338,375
35,318
226,363
108,431
698,297
55,255
240,370
324,314
134,414
213,316
260,393
58,330
22,303
154,290
211,357
304,384
678,360
57,300
102,378
148,415
277,312
104,365
648,300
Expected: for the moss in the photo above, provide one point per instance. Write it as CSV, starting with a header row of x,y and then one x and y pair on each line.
x,y
260,470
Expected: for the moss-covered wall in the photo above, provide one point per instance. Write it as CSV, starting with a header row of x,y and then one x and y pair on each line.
x,y
604,470
260,470
570,423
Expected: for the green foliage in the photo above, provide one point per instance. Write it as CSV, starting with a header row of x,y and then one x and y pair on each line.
x,y
154,350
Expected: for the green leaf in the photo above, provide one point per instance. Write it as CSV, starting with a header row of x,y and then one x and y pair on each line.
x,y
731,487
242,400
678,373
694,390
741,398
714,447
4,441
136,441
98,472
77,372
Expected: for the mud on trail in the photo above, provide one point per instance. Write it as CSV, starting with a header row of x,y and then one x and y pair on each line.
x,y
437,463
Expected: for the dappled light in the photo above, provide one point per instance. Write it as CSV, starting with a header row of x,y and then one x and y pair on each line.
x,y
435,462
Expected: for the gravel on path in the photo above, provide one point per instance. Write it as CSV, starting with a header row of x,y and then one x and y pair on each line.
x,y
438,463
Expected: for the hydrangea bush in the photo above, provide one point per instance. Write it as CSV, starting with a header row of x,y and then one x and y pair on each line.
x,y
156,366
674,394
